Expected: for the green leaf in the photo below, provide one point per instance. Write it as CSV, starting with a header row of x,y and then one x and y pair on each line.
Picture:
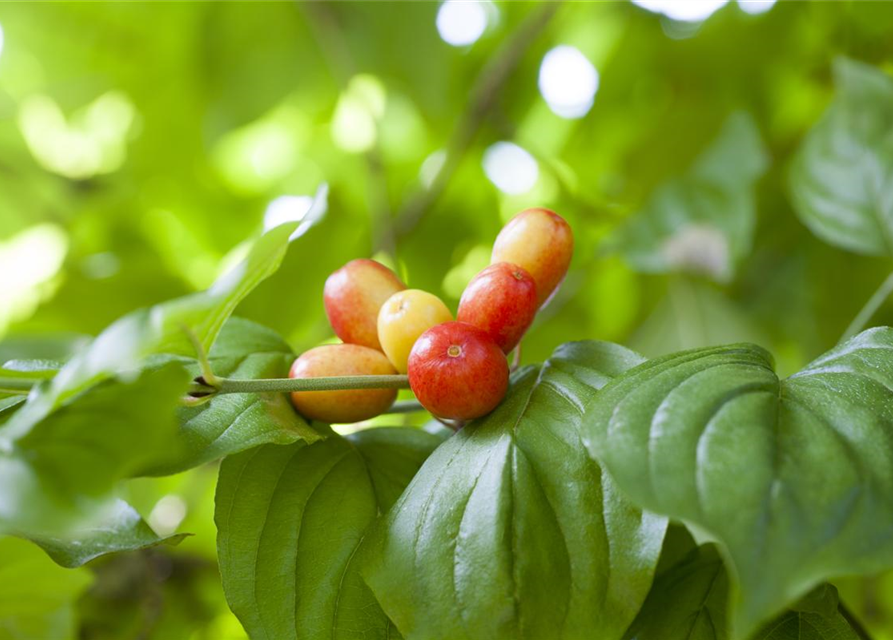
x,y
796,625
510,530
36,597
687,602
119,528
290,521
690,601
792,477
702,222
392,457
64,465
234,422
841,177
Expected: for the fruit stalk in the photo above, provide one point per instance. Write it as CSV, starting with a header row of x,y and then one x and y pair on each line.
x,y
286,385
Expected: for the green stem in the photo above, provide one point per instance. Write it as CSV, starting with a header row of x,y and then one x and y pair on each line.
x,y
202,387
405,406
284,385
867,312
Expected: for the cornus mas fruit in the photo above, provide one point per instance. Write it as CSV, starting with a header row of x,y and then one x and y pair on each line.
x,y
403,318
541,242
457,371
342,406
502,301
353,296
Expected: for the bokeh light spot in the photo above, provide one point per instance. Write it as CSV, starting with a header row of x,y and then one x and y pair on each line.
x,y
512,169
167,514
683,10
568,82
257,156
755,7
1,39
29,263
461,23
354,125
92,142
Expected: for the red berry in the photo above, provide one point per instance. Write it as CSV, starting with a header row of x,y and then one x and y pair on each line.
x,y
353,296
502,301
540,241
456,371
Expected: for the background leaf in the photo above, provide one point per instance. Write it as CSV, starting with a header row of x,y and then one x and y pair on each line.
x,y
703,222
791,477
842,177
120,528
290,521
510,531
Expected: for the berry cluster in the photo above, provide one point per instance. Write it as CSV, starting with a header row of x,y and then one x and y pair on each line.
x,y
457,369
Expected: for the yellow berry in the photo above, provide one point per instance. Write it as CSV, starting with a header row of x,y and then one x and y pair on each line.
x,y
403,318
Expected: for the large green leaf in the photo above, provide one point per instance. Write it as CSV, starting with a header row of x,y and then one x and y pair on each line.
x,y
36,597
510,530
702,222
842,178
793,478
290,521
234,422
690,600
64,465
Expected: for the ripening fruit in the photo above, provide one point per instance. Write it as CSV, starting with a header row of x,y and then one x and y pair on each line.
x,y
353,296
541,242
342,406
456,371
403,318
502,301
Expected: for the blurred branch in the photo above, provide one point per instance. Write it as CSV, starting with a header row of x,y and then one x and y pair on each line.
x,y
484,93
335,48
871,307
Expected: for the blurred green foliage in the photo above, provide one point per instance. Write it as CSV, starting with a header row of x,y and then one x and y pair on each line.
x,y
142,143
